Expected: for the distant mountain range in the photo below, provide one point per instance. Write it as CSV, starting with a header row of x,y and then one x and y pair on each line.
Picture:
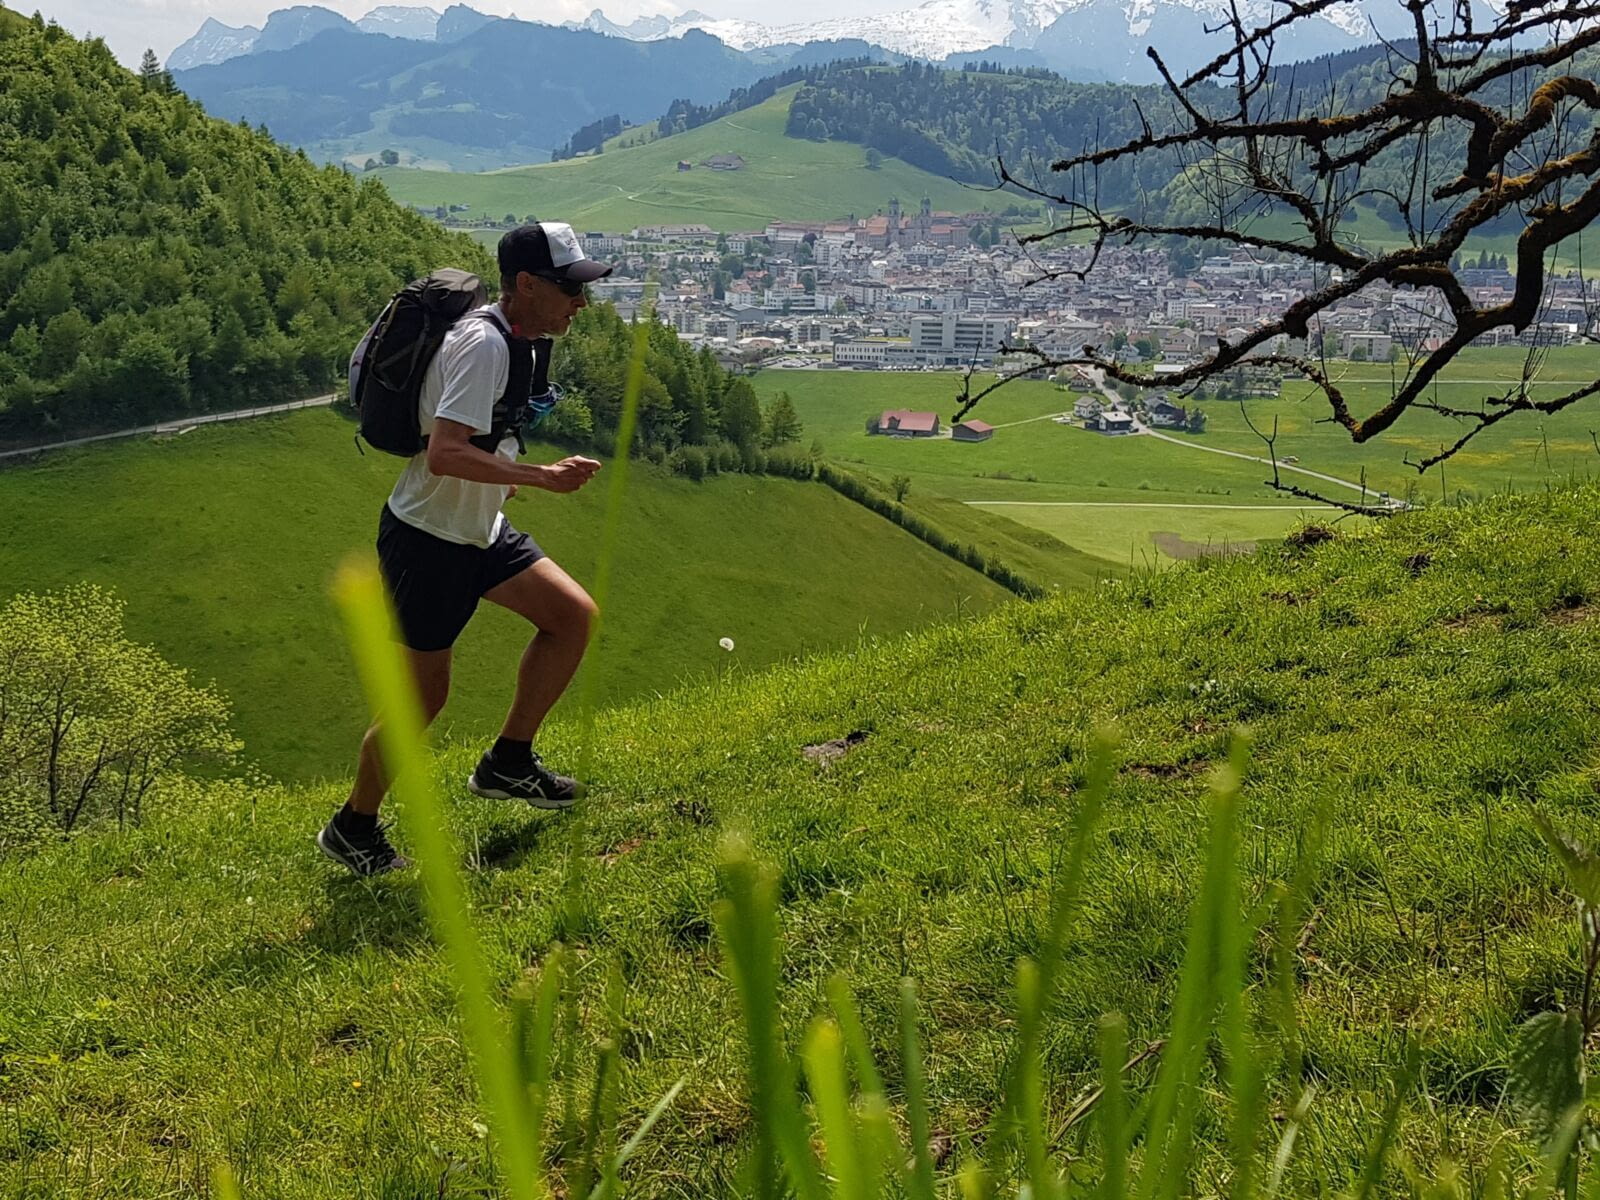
x,y
469,100
467,90
1083,39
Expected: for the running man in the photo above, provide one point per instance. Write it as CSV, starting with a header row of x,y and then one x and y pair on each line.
x,y
443,542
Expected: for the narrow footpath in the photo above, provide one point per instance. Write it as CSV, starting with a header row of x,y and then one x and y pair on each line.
x,y
1145,431
180,425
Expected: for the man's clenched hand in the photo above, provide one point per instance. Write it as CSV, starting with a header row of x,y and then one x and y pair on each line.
x,y
568,475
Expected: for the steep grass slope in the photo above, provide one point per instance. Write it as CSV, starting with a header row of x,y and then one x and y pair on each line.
x,y
783,178
223,540
208,988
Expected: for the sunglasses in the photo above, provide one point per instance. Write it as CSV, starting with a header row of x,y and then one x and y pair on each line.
x,y
569,287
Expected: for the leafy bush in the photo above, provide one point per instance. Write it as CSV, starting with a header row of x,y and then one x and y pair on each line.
x,y
569,422
690,461
90,723
727,458
791,462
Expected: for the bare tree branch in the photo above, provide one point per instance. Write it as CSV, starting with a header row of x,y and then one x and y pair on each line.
x,y
1478,128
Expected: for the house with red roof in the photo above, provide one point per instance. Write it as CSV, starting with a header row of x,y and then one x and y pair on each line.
x,y
902,422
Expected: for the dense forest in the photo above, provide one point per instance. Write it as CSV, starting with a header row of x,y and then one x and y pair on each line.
x,y
693,416
956,123
156,262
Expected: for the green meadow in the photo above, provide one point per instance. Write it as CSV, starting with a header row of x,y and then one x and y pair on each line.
x,y
1107,502
1526,451
222,541
1115,501
206,989
1372,231
783,179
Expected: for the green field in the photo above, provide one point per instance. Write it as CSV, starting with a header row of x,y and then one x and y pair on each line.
x,y
222,541
1116,501
1523,452
1093,495
784,179
1371,231
207,989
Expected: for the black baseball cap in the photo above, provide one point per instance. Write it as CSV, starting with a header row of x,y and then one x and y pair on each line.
x,y
548,248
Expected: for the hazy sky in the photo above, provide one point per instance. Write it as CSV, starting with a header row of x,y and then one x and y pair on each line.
x,y
128,26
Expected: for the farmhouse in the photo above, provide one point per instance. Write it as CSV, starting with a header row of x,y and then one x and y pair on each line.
x,y
1166,415
901,422
1087,409
972,430
1116,422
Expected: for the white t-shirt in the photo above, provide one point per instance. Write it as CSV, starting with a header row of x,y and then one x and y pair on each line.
x,y
462,383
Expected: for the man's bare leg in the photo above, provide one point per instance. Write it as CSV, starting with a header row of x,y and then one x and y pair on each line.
x,y
564,616
431,669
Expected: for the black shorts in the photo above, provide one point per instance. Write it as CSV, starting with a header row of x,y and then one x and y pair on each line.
x,y
436,584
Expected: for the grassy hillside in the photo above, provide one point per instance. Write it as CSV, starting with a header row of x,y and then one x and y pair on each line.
x,y
206,988
223,540
1519,454
784,179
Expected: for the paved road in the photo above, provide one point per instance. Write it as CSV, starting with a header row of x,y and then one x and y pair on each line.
x,y
182,425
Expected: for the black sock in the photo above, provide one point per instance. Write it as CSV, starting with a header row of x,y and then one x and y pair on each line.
x,y
348,820
512,752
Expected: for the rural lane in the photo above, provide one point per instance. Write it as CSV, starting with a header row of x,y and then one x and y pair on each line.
x,y
1145,431
178,426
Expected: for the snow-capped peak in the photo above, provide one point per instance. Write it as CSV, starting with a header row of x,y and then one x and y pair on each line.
x,y
402,21
936,29
213,42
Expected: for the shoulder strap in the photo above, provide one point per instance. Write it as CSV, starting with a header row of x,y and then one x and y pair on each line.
x,y
510,410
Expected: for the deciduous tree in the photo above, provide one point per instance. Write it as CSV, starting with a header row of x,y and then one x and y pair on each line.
x,y
91,723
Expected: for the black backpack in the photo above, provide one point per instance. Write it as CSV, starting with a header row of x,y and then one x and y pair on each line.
x,y
388,364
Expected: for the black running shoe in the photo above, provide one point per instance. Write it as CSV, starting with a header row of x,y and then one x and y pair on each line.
x,y
531,781
369,855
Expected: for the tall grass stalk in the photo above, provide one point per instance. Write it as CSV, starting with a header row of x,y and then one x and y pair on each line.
x,y
1020,1083
746,920
392,694
616,492
1214,942
575,885
919,1186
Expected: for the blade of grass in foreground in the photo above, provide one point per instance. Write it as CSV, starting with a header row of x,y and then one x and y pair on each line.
x,y
1009,1121
844,1145
1213,931
574,885
920,1185
616,490
746,920
881,1144
223,1184
392,693
1114,1134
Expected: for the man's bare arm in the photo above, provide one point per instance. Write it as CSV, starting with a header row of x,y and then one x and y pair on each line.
x,y
451,452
